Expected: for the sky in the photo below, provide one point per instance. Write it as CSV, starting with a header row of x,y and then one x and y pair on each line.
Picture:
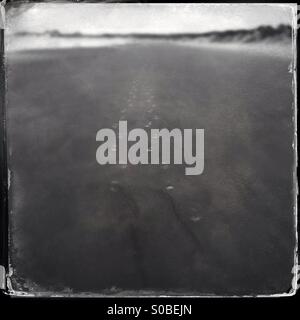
x,y
95,18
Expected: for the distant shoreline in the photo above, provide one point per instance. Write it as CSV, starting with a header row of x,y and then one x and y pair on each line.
x,y
274,49
262,33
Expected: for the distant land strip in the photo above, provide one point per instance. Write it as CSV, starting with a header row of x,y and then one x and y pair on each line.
x,y
277,34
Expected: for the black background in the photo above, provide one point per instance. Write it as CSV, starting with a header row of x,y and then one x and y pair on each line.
x,y
202,308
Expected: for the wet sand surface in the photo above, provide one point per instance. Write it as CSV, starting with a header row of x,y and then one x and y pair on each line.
x,y
79,226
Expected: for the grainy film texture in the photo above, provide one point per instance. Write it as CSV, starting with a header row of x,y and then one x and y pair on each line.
x,y
151,149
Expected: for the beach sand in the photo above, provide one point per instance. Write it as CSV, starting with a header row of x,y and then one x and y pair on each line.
x,y
77,226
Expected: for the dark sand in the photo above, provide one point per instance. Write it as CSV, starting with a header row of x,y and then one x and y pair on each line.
x,y
79,225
